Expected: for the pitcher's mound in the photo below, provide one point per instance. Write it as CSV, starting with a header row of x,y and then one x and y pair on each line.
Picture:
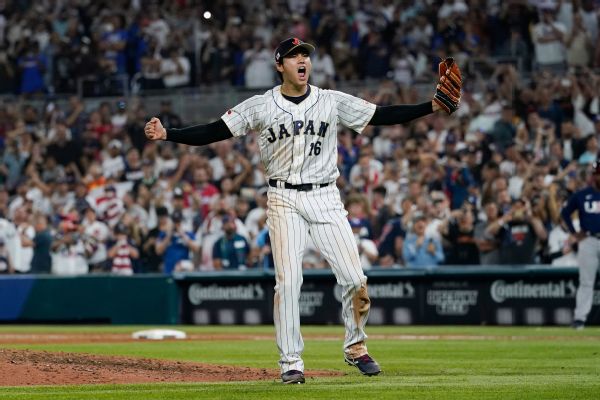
x,y
26,367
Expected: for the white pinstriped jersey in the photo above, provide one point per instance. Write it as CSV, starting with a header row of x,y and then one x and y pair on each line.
x,y
298,142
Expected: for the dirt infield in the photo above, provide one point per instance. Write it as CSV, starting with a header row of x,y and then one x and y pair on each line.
x,y
27,367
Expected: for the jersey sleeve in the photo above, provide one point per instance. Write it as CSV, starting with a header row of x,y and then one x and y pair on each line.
x,y
245,116
353,112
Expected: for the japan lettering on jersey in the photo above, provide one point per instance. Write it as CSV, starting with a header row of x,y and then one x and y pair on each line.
x,y
298,142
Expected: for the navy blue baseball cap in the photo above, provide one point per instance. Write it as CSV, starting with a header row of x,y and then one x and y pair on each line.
x,y
290,44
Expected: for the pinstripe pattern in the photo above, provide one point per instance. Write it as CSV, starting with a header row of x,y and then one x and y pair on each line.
x,y
288,158
298,145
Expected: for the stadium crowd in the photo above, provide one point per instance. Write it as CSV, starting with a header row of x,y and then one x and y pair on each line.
x,y
82,190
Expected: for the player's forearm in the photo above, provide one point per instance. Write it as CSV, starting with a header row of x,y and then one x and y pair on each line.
x,y
399,114
200,135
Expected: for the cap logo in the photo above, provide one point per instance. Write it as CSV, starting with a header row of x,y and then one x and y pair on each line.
x,y
296,41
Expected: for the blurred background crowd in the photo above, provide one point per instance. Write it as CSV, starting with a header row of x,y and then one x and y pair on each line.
x,y
82,190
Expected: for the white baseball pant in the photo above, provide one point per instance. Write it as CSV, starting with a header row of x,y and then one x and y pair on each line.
x,y
292,215
588,258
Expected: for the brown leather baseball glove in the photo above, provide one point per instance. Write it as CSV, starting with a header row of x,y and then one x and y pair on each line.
x,y
447,94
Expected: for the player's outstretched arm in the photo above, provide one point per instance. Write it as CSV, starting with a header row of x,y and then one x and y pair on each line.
x,y
447,98
401,113
197,135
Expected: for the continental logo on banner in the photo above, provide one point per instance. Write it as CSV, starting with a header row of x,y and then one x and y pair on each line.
x,y
197,293
502,290
452,302
400,290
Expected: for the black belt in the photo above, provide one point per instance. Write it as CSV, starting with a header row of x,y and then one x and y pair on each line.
x,y
305,187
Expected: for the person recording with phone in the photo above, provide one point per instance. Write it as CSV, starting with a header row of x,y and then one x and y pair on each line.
x,y
518,232
175,243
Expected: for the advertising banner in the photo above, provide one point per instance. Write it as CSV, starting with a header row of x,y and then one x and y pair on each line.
x,y
511,297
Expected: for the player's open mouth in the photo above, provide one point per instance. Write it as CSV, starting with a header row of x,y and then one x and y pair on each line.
x,y
302,72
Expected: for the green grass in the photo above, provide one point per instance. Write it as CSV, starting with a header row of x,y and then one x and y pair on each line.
x,y
506,363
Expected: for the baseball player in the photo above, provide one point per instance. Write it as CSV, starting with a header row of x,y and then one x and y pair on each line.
x,y
297,126
587,204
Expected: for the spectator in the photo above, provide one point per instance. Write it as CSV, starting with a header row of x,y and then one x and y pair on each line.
x,y
376,56
157,27
113,163
151,63
32,65
263,244
358,209
166,163
578,43
403,66
7,73
562,247
420,251
150,259
174,244
458,182
119,119
62,197
180,204
590,155
367,173
380,211
518,232
96,234
459,233
9,235
366,247
123,252
109,207
516,47
166,114
76,117
175,70
391,241
231,251
25,235
41,262
323,70
489,251
548,39
68,249
204,192
255,215
5,264
62,148
133,166
112,45
45,146
504,131
258,60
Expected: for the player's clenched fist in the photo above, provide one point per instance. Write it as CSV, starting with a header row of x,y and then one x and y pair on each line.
x,y
154,130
